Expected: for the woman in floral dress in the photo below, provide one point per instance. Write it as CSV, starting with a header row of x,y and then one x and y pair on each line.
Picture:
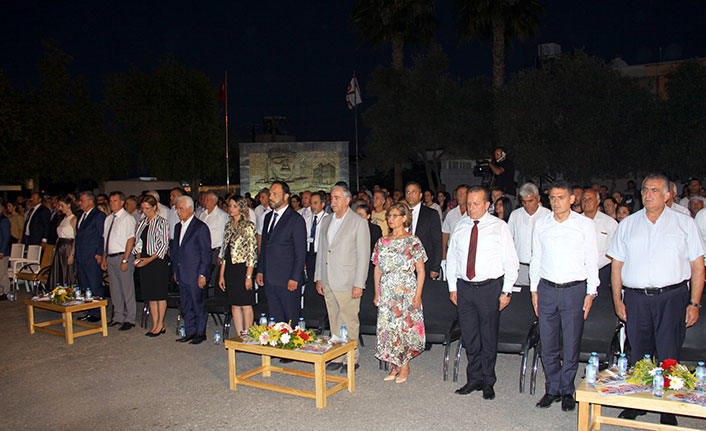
x,y
398,294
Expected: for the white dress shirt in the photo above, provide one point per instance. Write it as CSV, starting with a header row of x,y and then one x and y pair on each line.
x,y
309,222
564,252
495,252
334,226
436,207
253,217
679,208
261,219
521,225
605,230
216,221
656,254
123,229
415,216
452,217
184,227
274,220
163,210
304,212
172,220
700,221
137,215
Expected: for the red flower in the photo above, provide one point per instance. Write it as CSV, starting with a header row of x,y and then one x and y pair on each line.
x,y
305,336
668,364
666,383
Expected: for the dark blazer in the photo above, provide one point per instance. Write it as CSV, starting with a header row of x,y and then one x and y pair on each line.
x,y
54,220
38,227
429,232
375,235
5,235
192,257
89,235
283,250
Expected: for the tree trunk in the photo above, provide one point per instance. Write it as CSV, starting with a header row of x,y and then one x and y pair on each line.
x,y
195,190
498,52
397,44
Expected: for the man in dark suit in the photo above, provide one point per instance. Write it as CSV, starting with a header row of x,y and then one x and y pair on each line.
x,y
426,226
88,249
36,228
191,261
54,219
280,266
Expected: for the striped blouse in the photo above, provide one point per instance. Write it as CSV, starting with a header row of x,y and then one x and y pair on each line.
x,y
157,236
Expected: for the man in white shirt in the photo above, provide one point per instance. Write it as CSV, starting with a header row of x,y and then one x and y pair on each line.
x,y
216,219
172,216
118,240
261,211
671,203
305,210
163,209
605,229
657,278
521,223
131,208
693,187
563,282
313,227
452,218
482,267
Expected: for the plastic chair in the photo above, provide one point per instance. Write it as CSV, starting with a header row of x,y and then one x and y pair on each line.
x,y
440,319
17,253
37,274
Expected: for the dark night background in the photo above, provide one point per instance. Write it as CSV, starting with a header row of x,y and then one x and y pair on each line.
x,y
296,58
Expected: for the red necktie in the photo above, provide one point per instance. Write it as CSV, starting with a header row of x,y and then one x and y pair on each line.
x,y
471,262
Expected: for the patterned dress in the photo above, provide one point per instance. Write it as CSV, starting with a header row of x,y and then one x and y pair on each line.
x,y
400,329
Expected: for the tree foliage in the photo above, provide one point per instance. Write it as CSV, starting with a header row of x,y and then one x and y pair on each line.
x,y
170,117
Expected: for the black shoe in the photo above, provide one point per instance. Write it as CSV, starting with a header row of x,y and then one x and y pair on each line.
x,y
285,361
3,297
114,323
333,366
185,338
198,339
152,334
568,403
488,392
84,318
344,368
126,326
468,388
631,413
668,419
547,400
427,347
93,319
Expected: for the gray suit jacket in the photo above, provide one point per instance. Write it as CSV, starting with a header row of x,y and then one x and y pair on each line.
x,y
343,264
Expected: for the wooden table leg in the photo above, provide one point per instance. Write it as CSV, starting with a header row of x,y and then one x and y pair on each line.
x,y
266,362
595,413
69,327
583,416
320,383
30,318
232,370
351,371
104,323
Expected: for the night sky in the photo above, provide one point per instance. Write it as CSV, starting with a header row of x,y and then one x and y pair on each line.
x,y
296,58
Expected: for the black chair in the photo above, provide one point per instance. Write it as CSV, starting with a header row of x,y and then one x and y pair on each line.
x,y
368,314
600,335
216,306
314,311
517,332
440,318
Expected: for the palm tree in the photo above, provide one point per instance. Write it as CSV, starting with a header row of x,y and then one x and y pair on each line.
x,y
397,22
499,21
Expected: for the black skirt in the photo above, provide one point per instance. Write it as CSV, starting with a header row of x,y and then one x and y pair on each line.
x,y
154,280
234,275
61,272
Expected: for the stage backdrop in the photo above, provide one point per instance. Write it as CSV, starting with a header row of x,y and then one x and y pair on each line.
x,y
303,165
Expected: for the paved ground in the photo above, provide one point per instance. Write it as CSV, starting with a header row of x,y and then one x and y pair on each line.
x,y
127,381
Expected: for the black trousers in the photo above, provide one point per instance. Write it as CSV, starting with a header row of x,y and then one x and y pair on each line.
x,y
656,324
604,279
561,327
479,317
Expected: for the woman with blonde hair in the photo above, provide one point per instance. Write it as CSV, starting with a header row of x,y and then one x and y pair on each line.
x,y
238,257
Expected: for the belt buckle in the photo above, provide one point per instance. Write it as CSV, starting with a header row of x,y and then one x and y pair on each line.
x,y
651,292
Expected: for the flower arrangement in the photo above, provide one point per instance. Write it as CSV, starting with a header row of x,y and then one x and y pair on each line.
x,y
676,375
281,335
63,294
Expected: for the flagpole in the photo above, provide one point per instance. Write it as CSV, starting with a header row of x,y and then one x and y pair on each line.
x,y
227,163
355,114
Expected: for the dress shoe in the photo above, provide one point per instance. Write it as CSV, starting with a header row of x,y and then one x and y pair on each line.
x,y
84,318
333,366
3,297
114,323
427,347
186,338
468,388
93,319
547,400
198,339
157,334
126,326
668,419
488,392
344,368
631,413
285,361
568,403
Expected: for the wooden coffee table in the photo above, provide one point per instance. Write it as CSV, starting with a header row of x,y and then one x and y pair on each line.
x,y
319,375
67,319
590,403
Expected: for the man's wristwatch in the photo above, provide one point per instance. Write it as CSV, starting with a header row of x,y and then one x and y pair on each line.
x,y
508,294
249,277
694,304
124,261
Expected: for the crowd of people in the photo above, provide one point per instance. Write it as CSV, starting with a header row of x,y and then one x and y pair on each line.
x,y
565,243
